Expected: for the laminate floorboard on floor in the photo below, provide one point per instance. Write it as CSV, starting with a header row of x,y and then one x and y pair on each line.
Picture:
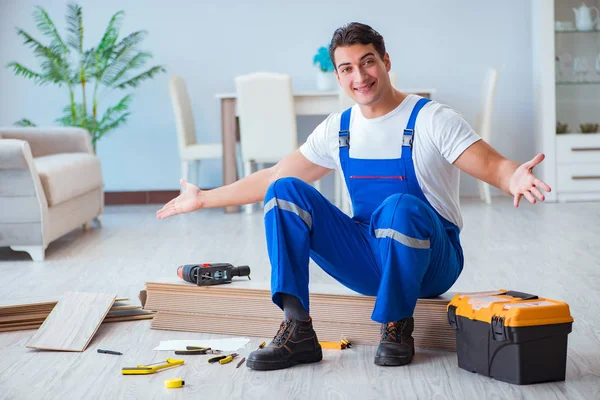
x,y
73,322
548,249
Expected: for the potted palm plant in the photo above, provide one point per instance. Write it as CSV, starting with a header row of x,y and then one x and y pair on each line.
x,y
87,74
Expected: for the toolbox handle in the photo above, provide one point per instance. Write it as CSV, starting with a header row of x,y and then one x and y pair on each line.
x,y
521,295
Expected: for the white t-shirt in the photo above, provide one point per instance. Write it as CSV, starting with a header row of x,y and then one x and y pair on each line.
x,y
441,135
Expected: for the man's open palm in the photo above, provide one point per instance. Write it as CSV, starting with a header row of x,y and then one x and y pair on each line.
x,y
524,183
187,201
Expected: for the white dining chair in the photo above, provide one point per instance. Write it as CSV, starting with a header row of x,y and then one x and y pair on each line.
x,y
484,121
268,130
190,152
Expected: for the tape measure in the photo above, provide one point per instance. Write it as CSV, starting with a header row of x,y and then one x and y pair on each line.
x,y
174,383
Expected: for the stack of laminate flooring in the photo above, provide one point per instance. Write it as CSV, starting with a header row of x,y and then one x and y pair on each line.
x,y
23,314
244,308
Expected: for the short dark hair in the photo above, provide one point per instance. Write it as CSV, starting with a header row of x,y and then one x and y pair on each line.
x,y
356,33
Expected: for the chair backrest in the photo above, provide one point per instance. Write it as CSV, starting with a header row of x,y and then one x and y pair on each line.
x,y
265,104
347,102
182,108
488,94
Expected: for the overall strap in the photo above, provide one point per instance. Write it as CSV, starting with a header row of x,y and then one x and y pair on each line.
x,y
344,139
407,139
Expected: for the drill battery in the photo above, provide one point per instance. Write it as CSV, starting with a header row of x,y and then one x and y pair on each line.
x,y
211,274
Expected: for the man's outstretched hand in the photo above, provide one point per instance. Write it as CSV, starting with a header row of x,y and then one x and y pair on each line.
x,y
524,183
189,200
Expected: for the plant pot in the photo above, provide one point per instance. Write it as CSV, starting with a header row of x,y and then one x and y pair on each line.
x,y
326,81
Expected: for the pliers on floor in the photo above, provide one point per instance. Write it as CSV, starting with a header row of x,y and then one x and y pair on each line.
x,y
223,359
192,350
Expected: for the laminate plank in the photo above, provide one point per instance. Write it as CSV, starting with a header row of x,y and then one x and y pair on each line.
x,y
109,319
39,301
7,318
439,339
19,327
73,322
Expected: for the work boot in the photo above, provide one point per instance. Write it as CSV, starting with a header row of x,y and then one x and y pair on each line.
x,y
295,343
397,346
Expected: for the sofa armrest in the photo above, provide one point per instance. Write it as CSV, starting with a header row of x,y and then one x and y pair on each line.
x,y
45,141
21,192
14,154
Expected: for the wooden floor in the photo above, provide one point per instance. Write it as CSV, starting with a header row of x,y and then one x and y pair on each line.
x,y
551,250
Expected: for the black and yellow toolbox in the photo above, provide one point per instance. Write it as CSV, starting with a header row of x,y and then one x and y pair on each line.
x,y
511,336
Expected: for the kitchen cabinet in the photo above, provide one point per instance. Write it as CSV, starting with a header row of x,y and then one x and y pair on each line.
x,y
566,83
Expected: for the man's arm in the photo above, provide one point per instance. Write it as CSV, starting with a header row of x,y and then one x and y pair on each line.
x,y
481,161
252,189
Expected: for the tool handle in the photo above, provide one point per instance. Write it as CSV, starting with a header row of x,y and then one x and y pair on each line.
x,y
242,270
521,295
190,352
116,353
226,360
215,359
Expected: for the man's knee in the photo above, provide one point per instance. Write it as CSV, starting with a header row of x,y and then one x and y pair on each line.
x,y
284,186
404,212
403,205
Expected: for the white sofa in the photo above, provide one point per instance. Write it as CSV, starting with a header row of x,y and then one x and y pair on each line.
x,y
50,184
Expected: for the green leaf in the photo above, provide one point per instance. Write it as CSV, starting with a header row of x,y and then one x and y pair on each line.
x,y
111,113
114,67
24,122
129,42
47,27
90,58
54,67
111,33
112,125
56,71
25,72
135,81
122,53
33,43
106,49
135,62
75,27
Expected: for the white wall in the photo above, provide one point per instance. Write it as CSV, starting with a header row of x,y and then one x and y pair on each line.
x,y
440,44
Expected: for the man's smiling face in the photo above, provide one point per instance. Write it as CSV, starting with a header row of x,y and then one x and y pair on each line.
x,y
362,73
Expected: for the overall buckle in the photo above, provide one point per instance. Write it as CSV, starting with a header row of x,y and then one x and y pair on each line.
x,y
344,138
407,138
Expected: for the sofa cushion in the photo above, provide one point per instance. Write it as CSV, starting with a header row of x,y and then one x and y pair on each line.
x,y
67,175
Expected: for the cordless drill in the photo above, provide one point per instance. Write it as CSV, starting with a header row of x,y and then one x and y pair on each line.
x,y
211,274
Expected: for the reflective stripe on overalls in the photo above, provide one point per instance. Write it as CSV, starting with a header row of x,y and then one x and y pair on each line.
x,y
396,247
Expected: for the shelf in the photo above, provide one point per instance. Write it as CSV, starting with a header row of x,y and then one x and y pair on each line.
x,y
577,133
584,32
575,83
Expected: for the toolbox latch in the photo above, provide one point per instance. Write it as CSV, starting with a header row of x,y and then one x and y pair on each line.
x,y
452,317
498,330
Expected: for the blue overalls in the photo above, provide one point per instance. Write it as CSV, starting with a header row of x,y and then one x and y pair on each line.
x,y
396,246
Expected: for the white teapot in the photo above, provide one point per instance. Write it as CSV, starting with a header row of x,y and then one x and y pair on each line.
x,y
583,17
